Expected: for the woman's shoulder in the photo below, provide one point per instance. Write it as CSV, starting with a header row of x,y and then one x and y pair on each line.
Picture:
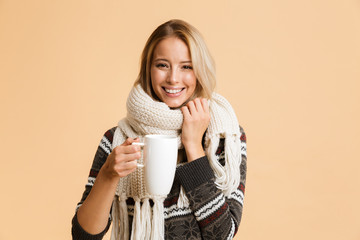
x,y
109,134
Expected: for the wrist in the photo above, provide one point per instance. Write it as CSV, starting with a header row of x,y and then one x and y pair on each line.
x,y
107,176
194,152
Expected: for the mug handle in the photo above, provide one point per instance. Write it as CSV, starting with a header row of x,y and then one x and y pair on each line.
x,y
139,144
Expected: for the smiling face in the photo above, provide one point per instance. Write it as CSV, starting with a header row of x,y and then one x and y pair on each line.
x,y
172,76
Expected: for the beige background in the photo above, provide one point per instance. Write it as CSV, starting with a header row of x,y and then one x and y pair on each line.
x,y
290,69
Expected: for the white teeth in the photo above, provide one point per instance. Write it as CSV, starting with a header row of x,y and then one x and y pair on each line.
x,y
172,90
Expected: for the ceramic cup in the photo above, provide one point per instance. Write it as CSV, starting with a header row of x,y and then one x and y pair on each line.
x,y
159,156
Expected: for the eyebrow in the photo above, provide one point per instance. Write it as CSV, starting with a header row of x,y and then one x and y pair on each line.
x,y
163,59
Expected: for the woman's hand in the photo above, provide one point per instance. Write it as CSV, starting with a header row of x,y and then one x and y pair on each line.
x,y
122,160
196,120
94,212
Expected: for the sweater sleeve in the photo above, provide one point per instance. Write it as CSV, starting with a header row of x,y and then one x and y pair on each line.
x,y
103,151
218,216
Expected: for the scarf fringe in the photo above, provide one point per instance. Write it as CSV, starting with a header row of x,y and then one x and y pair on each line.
x,y
147,223
136,224
146,219
115,218
124,218
219,170
158,227
183,201
232,168
227,177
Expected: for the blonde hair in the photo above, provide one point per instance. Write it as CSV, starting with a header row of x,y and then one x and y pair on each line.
x,y
202,62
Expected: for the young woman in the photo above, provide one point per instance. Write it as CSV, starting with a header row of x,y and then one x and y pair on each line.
x,y
172,95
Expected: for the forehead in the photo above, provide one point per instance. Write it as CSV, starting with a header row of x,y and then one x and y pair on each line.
x,y
171,47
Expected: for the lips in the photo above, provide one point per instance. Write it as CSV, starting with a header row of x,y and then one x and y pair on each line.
x,y
173,92
177,90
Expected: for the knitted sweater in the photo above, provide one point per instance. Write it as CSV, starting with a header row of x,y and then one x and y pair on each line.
x,y
210,215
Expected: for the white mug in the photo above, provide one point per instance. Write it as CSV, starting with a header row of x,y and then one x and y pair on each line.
x,y
160,158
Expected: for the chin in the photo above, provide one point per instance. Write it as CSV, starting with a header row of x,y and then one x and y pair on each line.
x,y
174,105
178,106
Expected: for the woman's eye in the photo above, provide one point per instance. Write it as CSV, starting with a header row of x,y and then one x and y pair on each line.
x,y
187,67
161,65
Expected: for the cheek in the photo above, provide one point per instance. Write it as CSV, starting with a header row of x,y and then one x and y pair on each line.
x,y
190,80
157,76
154,79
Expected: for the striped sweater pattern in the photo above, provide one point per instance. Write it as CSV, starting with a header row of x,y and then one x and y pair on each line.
x,y
210,214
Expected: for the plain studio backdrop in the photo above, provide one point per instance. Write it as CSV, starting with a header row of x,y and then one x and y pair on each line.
x,y
291,70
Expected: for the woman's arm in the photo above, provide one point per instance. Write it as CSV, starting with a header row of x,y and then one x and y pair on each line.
x,y
93,215
92,218
218,216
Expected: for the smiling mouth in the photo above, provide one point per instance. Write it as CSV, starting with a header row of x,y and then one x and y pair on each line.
x,y
173,91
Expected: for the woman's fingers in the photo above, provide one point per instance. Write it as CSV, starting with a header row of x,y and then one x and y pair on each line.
x,y
191,107
128,165
205,105
186,112
126,149
196,120
123,158
194,107
129,141
127,172
125,168
198,106
127,157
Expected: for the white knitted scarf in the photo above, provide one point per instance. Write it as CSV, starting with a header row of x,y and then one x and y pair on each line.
x,y
146,116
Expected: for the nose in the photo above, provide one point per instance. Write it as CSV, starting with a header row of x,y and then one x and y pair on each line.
x,y
173,76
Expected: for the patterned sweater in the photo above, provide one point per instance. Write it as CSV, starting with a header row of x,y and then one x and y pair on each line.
x,y
210,214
